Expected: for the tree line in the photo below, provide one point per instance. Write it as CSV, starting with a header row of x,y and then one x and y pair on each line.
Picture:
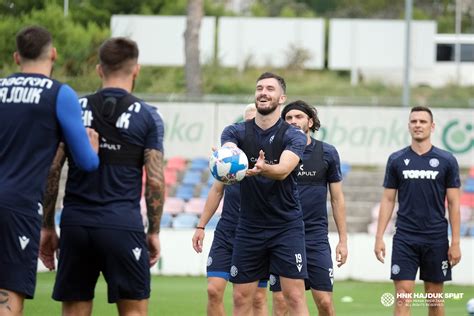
x,y
79,34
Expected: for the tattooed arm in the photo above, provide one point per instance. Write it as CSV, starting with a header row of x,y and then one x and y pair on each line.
x,y
154,197
49,237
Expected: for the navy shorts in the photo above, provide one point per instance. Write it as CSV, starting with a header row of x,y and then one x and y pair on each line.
x,y
320,268
430,257
121,256
19,247
220,255
259,251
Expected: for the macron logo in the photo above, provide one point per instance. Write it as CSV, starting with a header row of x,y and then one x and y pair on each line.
x,y
137,252
406,161
299,266
23,242
420,174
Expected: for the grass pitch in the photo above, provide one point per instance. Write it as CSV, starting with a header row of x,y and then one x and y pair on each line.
x,y
185,296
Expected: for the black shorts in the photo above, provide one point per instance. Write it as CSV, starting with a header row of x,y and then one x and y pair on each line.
x,y
430,257
261,251
319,265
121,256
19,247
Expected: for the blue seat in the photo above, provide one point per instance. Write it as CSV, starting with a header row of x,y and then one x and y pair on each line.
x,y
185,191
210,179
57,216
185,220
200,164
345,168
471,231
204,192
166,220
212,224
463,230
469,185
192,177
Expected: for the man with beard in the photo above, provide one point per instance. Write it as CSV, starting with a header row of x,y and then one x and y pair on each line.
x,y
36,112
101,224
319,170
270,233
220,255
424,177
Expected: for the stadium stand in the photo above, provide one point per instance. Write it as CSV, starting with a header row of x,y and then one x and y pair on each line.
x,y
192,177
467,205
171,177
176,163
200,164
174,205
185,220
204,191
166,220
185,191
57,216
212,224
195,206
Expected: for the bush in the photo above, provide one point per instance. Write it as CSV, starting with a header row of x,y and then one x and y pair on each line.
x,y
77,45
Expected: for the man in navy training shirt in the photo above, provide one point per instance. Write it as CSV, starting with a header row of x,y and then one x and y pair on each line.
x,y
220,255
319,170
35,113
270,233
101,225
424,177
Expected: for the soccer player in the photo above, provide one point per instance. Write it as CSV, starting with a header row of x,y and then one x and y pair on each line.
x,y
270,233
319,170
35,112
220,255
424,177
101,224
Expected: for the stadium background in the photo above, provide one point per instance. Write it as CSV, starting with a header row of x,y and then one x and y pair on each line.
x,y
364,121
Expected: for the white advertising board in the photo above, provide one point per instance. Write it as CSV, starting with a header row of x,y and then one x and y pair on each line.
x,y
161,38
362,135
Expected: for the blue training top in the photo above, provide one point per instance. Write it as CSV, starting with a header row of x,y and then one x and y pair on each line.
x,y
268,202
231,207
422,181
35,112
110,196
319,168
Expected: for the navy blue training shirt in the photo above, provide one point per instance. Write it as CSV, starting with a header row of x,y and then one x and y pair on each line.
x,y
270,203
231,208
314,176
35,112
422,181
110,196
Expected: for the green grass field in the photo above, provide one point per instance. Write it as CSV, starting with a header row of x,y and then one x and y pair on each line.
x,y
187,296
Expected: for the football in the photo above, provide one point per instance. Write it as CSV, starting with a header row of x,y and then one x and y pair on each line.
x,y
228,165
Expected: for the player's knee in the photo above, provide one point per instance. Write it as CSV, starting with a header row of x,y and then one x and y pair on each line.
x,y
279,307
214,293
279,302
403,296
240,298
259,300
295,298
324,304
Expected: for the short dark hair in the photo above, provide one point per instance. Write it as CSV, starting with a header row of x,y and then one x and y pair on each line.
x,y
306,108
117,53
422,109
31,41
278,78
